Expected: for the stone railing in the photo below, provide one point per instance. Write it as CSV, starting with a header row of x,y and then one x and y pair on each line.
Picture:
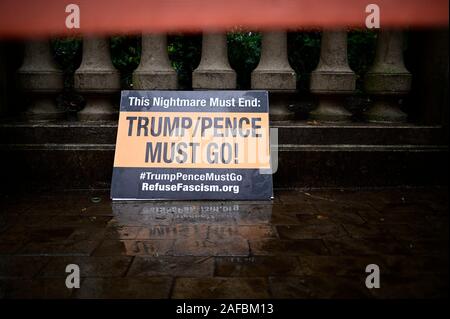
x,y
331,82
331,136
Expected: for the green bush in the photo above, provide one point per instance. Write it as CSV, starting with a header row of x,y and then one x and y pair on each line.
x,y
67,52
125,55
361,53
184,53
303,53
244,52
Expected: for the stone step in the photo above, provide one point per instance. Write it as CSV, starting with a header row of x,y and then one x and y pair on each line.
x,y
75,166
289,133
72,155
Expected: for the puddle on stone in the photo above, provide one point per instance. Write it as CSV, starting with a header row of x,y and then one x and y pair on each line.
x,y
194,228
166,213
96,200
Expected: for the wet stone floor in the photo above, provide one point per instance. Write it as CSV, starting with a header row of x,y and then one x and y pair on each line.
x,y
304,244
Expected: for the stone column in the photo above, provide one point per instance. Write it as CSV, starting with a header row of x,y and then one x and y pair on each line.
x,y
214,71
41,80
274,74
97,80
154,72
388,79
333,78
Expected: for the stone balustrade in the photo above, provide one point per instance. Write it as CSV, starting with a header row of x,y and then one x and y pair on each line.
x,y
274,74
41,80
214,71
333,78
98,81
154,72
388,79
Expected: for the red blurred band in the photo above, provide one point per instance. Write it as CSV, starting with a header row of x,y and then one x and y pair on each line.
x,y
26,18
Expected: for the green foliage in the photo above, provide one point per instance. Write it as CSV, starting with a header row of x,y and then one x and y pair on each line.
x,y
67,53
361,53
184,53
244,51
303,53
125,55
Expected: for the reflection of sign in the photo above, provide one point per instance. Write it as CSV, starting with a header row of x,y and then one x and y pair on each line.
x,y
192,145
194,213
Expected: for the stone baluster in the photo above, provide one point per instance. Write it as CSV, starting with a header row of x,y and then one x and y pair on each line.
x,y
333,78
41,80
97,80
154,71
388,79
274,74
214,71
